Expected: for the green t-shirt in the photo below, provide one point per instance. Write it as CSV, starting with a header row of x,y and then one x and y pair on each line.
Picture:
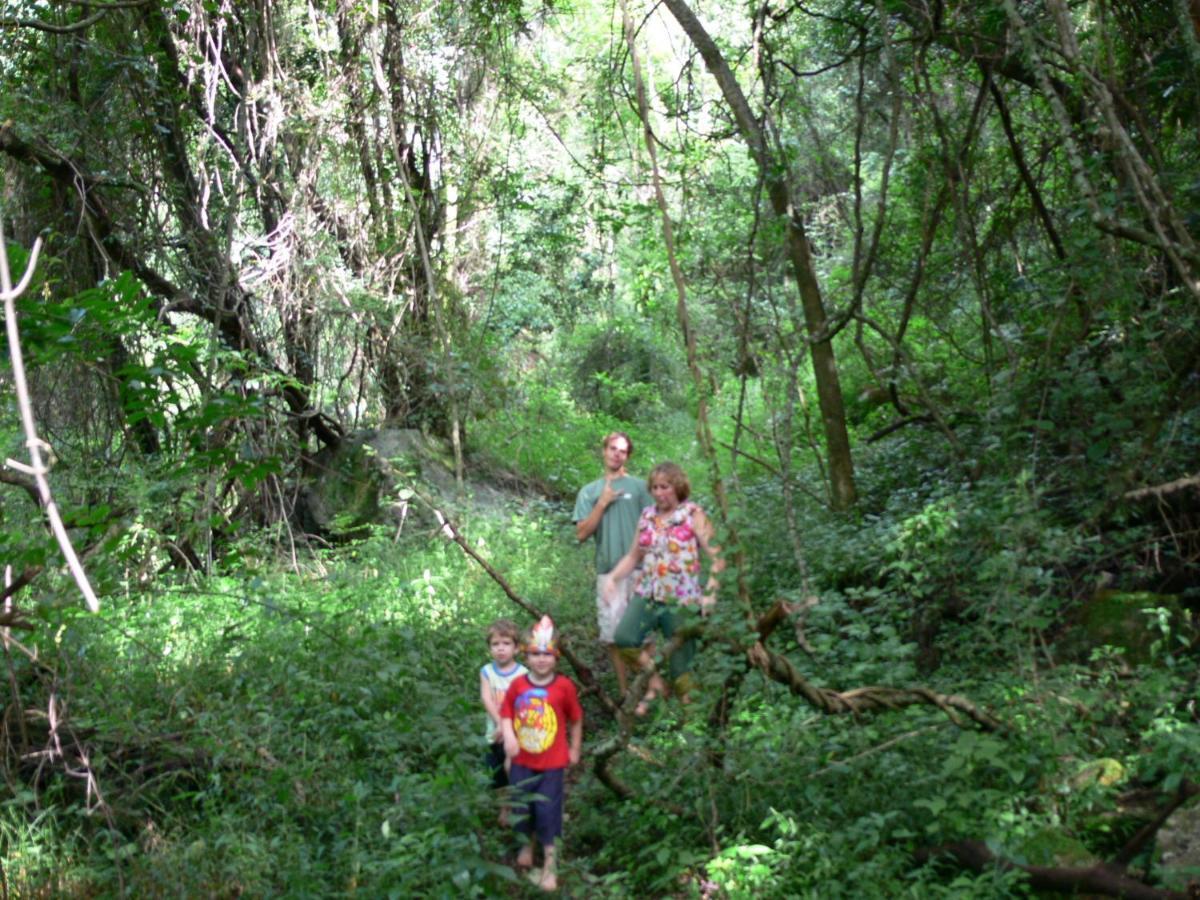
x,y
615,533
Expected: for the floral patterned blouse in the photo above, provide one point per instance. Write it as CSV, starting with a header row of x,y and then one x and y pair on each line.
x,y
670,571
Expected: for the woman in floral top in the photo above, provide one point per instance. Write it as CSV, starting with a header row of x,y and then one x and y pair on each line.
x,y
667,589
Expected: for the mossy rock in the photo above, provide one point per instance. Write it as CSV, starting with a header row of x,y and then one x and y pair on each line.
x,y
1102,772
353,485
1052,847
1124,619
1177,851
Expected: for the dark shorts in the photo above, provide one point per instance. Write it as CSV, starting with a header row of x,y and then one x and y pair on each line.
x,y
645,617
540,816
495,764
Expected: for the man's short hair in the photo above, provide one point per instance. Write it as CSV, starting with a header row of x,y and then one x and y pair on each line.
x,y
504,628
612,436
672,475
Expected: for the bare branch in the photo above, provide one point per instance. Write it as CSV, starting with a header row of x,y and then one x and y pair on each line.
x,y
39,25
9,618
35,444
25,484
1160,490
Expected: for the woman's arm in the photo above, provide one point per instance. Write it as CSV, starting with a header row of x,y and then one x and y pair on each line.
x,y
628,562
704,536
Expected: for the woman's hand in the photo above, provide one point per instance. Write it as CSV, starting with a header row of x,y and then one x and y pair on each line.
x,y
608,590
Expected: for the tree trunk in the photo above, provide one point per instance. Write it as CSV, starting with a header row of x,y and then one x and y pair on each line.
x,y
829,390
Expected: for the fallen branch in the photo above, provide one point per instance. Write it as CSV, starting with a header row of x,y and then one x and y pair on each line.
x,y
1109,879
874,698
1161,490
1144,835
1105,879
582,670
774,665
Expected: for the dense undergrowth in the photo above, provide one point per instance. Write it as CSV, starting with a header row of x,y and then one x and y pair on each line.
x,y
312,729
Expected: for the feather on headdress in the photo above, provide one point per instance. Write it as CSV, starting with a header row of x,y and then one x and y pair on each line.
x,y
543,637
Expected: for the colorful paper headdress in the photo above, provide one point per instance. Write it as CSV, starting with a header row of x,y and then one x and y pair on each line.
x,y
543,637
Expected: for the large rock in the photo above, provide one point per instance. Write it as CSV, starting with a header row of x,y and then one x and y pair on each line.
x,y
358,483
1127,619
1179,847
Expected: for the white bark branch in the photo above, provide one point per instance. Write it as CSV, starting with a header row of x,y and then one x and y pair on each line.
x,y
37,467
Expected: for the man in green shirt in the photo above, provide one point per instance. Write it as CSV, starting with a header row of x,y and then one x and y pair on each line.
x,y
609,508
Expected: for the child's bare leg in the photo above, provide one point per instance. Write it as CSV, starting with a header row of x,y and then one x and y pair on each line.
x,y
655,689
618,664
525,857
646,657
549,879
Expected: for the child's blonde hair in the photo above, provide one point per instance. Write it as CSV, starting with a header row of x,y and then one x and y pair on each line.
x,y
504,628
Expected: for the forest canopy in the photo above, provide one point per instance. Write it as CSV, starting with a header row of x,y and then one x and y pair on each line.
x,y
327,307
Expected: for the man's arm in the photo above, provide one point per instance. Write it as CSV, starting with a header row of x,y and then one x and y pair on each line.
x,y
587,526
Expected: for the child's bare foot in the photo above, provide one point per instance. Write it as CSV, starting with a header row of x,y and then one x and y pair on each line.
x,y
549,878
525,857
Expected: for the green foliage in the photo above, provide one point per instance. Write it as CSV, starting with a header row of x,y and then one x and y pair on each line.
x,y
309,728
623,370
293,734
548,438
317,732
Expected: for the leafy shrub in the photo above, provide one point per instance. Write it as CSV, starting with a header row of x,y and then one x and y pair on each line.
x,y
622,369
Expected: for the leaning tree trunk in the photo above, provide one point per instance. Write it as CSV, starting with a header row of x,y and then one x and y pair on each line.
x,y
829,390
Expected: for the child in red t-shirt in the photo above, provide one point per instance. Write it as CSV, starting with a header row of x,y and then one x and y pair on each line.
x,y
543,734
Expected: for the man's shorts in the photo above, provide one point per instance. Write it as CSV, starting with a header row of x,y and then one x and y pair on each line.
x,y
609,616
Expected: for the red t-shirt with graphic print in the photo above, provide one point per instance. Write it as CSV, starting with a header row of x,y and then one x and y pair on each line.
x,y
541,715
